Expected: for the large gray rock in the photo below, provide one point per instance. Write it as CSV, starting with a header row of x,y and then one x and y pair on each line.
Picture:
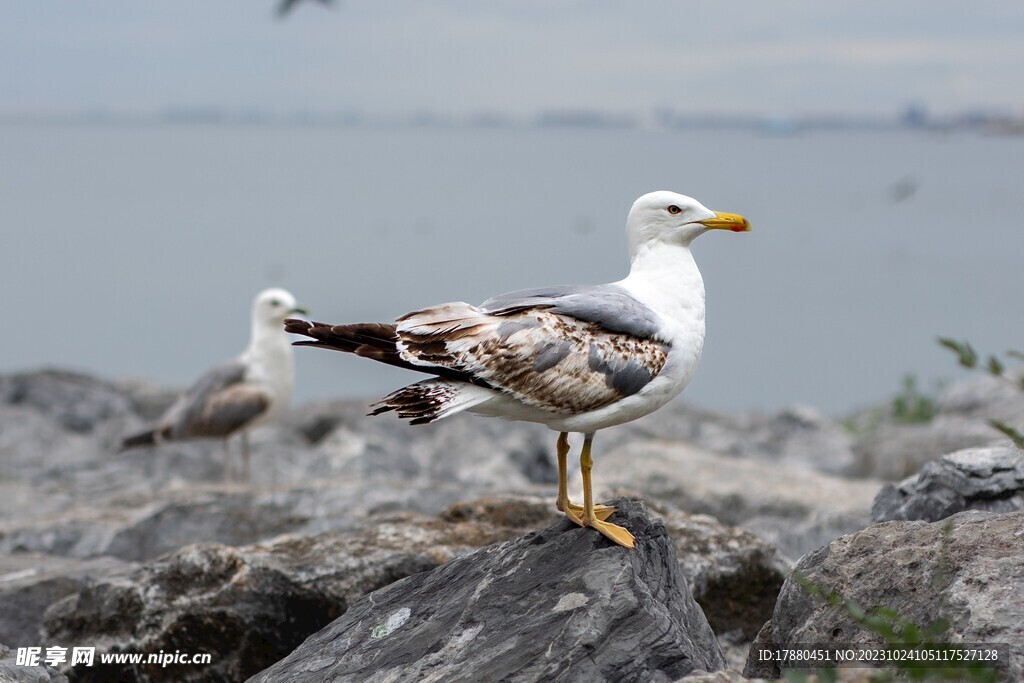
x,y
467,449
835,676
984,398
794,509
733,574
248,607
890,448
560,604
893,451
966,570
77,402
30,583
989,479
11,672
139,526
143,529
798,436
725,676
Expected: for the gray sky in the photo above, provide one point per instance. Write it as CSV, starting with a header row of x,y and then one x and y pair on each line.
x,y
511,57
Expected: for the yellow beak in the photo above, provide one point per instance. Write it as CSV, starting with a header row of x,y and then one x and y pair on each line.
x,y
727,221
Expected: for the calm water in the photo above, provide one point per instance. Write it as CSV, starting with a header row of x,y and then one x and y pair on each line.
x,y
135,251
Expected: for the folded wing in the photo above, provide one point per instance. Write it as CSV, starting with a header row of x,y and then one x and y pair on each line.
x,y
548,360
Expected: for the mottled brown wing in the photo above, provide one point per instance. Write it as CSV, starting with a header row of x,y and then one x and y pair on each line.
x,y
227,411
546,360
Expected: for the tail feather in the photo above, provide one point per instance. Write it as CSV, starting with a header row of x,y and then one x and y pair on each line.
x,y
430,400
350,338
150,437
377,341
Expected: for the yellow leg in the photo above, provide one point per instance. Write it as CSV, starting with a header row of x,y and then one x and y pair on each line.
x,y
613,532
571,510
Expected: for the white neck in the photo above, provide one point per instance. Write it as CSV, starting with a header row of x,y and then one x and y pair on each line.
x,y
269,357
664,277
264,332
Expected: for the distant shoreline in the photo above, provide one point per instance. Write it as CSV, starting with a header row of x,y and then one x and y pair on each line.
x,y
989,122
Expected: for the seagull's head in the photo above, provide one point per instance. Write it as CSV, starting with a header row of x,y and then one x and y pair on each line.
x,y
272,306
671,218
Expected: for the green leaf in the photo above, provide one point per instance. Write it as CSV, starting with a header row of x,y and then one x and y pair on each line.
x,y
882,627
888,613
995,366
911,634
967,355
855,611
1016,437
827,675
937,628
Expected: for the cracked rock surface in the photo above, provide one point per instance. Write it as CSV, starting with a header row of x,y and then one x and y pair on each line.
x,y
554,605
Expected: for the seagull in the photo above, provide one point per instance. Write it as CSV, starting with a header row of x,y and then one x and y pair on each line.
x,y
574,358
286,6
234,397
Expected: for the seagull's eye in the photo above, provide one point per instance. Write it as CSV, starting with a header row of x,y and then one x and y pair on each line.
x,y
275,303
673,209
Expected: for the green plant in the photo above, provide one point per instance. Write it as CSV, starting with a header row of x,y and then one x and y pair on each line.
x,y
912,406
996,367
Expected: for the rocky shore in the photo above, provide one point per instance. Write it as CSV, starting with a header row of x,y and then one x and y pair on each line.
x,y
365,549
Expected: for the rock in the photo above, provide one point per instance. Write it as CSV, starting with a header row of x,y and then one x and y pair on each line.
x,y
77,402
486,454
798,436
513,512
31,583
726,676
754,666
32,443
559,604
148,400
734,575
730,676
970,575
10,672
139,526
894,451
148,530
984,398
248,607
315,421
989,479
33,449
795,510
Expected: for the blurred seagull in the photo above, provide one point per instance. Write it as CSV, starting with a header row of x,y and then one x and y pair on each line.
x,y
287,6
235,397
576,358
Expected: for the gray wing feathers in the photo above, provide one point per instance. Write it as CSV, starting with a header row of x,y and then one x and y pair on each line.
x,y
545,359
231,409
609,306
217,404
